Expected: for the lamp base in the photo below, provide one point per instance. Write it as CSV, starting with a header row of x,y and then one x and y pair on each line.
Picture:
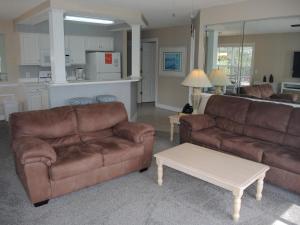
x,y
196,99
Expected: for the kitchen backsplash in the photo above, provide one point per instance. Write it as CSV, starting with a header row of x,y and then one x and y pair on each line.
x,y
33,71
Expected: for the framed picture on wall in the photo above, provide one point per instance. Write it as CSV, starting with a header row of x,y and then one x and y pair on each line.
x,y
172,61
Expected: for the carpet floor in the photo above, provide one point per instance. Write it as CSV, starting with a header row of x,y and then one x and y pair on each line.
x,y
136,199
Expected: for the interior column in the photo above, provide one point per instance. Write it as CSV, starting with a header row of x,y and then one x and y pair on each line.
x,y
136,51
212,50
57,45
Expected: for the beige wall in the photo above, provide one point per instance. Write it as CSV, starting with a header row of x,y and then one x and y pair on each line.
x,y
12,58
170,90
12,49
273,54
246,10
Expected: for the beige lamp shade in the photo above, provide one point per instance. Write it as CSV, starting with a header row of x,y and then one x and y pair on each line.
x,y
197,78
219,78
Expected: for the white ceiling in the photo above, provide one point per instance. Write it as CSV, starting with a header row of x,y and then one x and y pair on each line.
x,y
159,13
266,26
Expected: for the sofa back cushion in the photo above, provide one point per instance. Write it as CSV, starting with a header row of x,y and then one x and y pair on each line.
x,y
292,137
266,90
96,117
267,121
230,112
228,107
253,91
46,124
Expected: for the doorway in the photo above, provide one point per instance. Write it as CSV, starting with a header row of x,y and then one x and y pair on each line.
x,y
147,85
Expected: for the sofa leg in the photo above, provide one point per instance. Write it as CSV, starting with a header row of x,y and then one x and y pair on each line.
x,y
143,170
38,204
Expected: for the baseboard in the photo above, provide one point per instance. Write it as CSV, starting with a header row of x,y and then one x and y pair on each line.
x,y
168,107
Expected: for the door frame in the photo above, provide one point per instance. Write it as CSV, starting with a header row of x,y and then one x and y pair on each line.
x,y
154,40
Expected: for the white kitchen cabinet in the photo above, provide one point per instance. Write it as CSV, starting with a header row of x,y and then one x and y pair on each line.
x,y
44,43
36,97
99,43
30,51
77,49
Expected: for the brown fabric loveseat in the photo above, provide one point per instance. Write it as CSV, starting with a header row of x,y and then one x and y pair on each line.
x,y
260,131
67,148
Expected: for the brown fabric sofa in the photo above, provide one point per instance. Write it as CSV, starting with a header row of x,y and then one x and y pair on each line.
x,y
265,91
64,149
260,131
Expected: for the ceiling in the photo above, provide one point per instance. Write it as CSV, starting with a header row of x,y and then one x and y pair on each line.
x,y
158,13
266,26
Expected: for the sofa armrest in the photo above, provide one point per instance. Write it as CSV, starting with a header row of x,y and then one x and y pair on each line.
x,y
133,131
31,149
198,122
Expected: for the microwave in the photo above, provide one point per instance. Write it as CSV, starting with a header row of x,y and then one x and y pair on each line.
x,y
46,61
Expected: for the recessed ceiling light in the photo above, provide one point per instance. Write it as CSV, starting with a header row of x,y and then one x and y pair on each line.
x,y
88,20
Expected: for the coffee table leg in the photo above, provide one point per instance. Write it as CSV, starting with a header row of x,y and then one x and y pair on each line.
x,y
159,172
237,204
259,188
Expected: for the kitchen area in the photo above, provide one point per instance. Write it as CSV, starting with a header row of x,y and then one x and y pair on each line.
x,y
94,55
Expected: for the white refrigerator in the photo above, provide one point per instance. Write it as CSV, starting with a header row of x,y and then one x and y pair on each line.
x,y
103,66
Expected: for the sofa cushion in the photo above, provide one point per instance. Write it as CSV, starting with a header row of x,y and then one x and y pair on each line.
x,y
269,115
116,150
210,137
75,159
292,137
284,158
251,91
266,90
229,125
264,134
96,135
63,141
246,147
100,116
231,108
50,123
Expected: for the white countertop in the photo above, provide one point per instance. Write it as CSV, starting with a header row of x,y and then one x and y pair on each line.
x,y
90,82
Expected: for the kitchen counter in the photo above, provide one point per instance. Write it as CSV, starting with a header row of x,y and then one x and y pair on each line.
x,y
125,90
91,82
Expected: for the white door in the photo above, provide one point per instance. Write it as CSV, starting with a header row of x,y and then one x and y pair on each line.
x,y
147,89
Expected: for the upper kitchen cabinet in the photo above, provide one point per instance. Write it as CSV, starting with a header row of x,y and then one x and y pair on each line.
x,y
30,52
77,49
99,44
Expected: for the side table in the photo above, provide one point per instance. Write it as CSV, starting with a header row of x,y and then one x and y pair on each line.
x,y
174,119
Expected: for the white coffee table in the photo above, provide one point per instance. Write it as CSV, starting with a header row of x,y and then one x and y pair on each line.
x,y
229,172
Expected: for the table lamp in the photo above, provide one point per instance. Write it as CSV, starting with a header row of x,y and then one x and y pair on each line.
x,y
197,79
219,79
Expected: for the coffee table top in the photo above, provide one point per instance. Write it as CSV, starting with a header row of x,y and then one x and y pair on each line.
x,y
212,166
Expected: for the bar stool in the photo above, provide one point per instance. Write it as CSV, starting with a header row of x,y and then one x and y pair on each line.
x,y
105,98
81,101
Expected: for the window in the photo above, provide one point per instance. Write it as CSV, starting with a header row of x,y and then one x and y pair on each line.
x,y
229,58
